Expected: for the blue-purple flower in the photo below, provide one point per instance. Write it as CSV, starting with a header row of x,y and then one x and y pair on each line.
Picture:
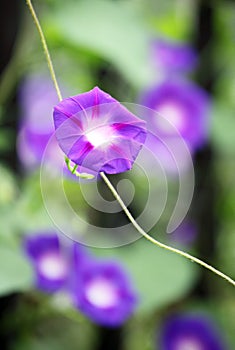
x,y
104,293
178,109
185,234
96,132
101,290
172,153
49,260
172,57
190,332
37,97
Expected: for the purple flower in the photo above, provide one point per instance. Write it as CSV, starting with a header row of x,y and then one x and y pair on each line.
x,y
172,153
37,97
49,259
96,132
103,292
188,331
99,289
185,234
173,57
178,109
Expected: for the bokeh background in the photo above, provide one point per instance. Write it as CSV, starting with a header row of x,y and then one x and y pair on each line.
x,y
113,45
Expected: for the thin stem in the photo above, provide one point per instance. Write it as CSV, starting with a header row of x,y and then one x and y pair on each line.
x,y
74,168
154,241
106,180
74,171
45,47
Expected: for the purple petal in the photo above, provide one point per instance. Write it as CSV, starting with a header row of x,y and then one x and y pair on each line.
x,y
185,234
190,331
103,292
40,243
37,97
179,107
173,57
120,154
98,133
51,267
171,153
80,103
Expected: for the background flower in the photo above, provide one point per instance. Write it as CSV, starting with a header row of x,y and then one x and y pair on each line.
x,y
185,235
172,57
103,292
179,109
49,259
189,331
37,97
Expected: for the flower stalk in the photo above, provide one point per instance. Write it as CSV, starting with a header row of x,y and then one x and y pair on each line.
x,y
45,48
74,171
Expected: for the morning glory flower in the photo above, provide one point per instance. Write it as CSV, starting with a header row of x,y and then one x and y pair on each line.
x,y
178,109
96,132
171,153
102,291
50,262
190,332
185,234
37,97
172,57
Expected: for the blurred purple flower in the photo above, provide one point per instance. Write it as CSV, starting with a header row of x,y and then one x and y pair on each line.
x,y
188,331
185,234
179,109
50,259
173,57
103,292
172,153
99,289
96,132
37,97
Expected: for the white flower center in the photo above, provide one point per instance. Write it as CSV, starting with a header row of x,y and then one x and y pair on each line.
x,y
100,135
52,266
101,293
171,115
188,344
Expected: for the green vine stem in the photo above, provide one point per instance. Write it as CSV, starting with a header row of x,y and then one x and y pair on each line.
x,y
74,171
105,178
45,48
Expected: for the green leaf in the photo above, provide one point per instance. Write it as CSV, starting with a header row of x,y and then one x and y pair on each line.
x,y
160,277
112,30
15,271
